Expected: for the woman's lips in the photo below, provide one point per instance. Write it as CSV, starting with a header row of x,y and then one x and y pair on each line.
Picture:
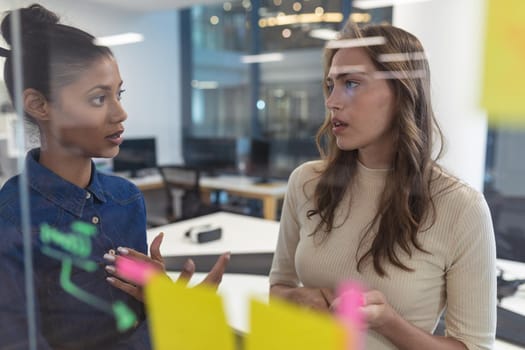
x,y
338,126
116,138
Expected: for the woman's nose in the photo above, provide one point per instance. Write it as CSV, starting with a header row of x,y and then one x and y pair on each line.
x,y
119,114
332,102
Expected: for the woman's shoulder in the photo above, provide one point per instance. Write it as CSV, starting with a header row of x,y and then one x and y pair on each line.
x,y
10,203
307,170
304,178
455,190
9,191
117,186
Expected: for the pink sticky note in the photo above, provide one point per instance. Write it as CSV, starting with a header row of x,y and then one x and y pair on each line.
x,y
351,300
133,270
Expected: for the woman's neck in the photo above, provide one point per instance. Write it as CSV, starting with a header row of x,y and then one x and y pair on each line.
x,y
374,161
70,167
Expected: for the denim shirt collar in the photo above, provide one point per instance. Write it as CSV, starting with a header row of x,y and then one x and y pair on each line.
x,y
59,191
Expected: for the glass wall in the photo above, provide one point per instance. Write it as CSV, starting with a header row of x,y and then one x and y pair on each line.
x,y
81,128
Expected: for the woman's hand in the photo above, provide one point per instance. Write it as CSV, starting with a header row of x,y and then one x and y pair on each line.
x,y
376,310
156,260
318,299
382,318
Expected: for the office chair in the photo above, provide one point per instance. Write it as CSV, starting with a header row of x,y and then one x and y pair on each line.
x,y
181,185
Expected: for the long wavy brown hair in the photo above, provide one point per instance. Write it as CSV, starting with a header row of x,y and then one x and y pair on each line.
x,y
406,205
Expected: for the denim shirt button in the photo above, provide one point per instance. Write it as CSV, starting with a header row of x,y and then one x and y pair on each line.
x,y
88,195
95,220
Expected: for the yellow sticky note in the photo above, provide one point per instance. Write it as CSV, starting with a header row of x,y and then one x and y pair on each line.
x,y
186,318
504,72
283,326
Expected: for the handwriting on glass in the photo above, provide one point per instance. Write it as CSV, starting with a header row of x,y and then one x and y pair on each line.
x,y
76,249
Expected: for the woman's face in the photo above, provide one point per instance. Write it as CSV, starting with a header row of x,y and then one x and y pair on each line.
x,y
361,107
86,116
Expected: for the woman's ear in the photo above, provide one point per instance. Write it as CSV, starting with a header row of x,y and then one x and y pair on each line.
x,y
35,104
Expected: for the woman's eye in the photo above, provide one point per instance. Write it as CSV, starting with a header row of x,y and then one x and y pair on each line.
x,y
351,84
329,88
98,100
119,95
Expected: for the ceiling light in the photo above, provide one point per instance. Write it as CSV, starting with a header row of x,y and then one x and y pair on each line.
x,y
261,105
265,57
359,42
402,56
303,18
214,20
246,4
357,17
119,39
286,33
324,34
204,85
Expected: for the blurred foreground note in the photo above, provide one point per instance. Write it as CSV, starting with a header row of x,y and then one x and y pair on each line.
x,y
351,299
138,272
186,318
504,72
282,326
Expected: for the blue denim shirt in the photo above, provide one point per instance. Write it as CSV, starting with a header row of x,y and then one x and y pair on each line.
x,y
115,207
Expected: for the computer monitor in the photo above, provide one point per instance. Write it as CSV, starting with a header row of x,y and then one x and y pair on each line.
x,y
136,154
216,155
255,154
213,155
509,228
508,218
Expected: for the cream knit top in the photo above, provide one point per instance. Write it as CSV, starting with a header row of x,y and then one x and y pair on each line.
x,y
459,274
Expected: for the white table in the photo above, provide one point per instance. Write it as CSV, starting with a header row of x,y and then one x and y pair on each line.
x,y
240,234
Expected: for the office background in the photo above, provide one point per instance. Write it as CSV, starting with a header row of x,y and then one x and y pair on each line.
x,y
184,81
167,97
152,72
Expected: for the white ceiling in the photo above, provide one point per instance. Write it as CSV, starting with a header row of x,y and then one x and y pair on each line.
x,y
151,5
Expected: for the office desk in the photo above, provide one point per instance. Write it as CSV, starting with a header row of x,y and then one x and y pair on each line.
x,y
513,270
269,193
148,183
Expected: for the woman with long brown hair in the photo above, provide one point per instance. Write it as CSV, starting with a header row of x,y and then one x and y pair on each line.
x,y
377,208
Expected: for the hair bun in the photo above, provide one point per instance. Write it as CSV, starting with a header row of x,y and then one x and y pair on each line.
x,y
34,18
38,15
